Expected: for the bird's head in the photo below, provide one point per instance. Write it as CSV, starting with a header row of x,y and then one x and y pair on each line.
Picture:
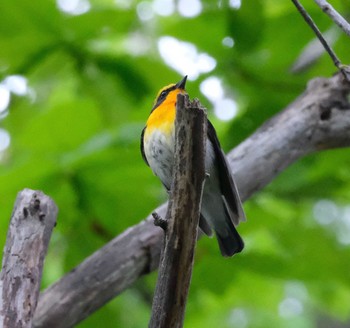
x,y
169,93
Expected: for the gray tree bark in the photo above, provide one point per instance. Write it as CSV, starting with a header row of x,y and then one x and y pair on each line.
x,y
181,230
32,221
334,15
317,120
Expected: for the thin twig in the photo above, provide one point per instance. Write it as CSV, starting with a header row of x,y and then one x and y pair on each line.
x,y
334,15
344,70
159,221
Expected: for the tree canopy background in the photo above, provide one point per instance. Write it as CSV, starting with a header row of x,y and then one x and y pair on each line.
x,y
78,79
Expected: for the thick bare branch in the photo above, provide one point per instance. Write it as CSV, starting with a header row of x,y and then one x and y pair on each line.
x,y
334,15
175,269
32,221
319,119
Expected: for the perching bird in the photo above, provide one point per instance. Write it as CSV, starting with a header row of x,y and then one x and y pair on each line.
x,y
221,206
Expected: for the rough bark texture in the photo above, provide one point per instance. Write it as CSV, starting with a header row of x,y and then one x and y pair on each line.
x,y
32,221
175,269
319,119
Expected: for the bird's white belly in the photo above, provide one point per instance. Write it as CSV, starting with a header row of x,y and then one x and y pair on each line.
x,y
159,150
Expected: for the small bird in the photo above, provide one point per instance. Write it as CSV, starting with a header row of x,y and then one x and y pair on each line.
x,y
221,207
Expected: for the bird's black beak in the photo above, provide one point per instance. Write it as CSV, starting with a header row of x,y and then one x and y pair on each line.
x,y
182,83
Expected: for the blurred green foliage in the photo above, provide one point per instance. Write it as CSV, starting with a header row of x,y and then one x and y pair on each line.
x,y
75,135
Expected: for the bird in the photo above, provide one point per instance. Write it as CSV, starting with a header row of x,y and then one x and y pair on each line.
x,y
221,208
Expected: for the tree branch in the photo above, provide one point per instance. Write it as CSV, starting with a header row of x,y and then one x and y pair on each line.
x,y
32,221
323,41
175,269
317,120
334,15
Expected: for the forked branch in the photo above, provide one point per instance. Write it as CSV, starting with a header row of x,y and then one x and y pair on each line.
x,y
317,120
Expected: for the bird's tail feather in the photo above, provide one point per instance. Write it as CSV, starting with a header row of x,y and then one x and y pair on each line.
x,y
232,243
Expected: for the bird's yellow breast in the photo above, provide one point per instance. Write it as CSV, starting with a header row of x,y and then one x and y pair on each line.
x,y
162,117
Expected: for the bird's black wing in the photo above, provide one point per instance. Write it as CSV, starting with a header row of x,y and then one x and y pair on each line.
x,y
227,184
204,225
141,146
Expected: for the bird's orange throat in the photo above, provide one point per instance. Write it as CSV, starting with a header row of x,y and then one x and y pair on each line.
x,y
163,117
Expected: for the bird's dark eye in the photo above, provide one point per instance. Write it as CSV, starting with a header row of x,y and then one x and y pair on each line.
x,y
162,95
